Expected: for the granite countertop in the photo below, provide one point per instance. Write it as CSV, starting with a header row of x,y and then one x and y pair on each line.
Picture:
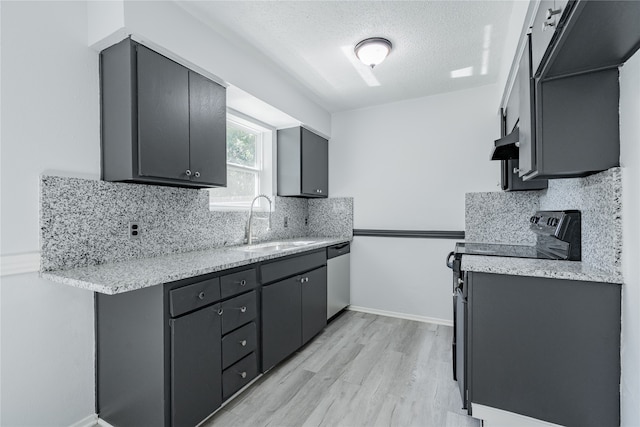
x,y
569,270
141,273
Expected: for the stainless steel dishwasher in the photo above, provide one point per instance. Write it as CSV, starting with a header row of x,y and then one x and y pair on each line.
x,y
338,274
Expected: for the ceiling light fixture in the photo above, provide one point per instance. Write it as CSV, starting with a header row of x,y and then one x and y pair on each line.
x,y
373,51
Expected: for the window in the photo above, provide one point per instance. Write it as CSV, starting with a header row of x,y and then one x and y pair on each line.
x,y
249,170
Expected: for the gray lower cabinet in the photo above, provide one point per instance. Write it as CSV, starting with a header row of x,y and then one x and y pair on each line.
x,y
169,355
161,122
195,366
294,304
303,163
281,321
545,348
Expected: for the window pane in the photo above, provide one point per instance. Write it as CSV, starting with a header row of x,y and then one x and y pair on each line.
x,y
241,188
241,147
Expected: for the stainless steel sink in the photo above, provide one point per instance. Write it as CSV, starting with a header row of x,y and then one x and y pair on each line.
x,y
274,246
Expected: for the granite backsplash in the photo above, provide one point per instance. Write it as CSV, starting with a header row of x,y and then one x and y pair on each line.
x,y
503,217
85,222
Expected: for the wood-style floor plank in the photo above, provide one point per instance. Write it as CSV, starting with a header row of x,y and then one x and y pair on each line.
x,y
362,370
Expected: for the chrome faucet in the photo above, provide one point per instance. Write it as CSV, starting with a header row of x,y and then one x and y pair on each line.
x,y
248,237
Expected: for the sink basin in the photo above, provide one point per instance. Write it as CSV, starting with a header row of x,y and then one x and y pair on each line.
x,y
274,246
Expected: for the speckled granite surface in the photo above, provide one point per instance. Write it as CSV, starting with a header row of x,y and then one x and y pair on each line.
x,y
496,217
331,217
569,270
499,217
85,222
599,198
127,276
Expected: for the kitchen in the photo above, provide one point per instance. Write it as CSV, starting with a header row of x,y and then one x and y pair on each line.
x,y
48,353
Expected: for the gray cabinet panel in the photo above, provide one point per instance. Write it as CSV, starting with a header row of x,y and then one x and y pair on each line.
x,y
527,150
577,124
163,116
281,321
314,303
542,34
303,163
196,366
208,126
546,348
315,164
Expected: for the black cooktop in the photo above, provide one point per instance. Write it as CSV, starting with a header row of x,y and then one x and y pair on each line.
x,y
494,249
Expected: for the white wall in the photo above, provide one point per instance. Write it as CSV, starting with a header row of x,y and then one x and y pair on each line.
x,y
408,165
50,121
630,162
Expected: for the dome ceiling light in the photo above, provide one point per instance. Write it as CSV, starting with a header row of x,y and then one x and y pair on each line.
x,y
373,51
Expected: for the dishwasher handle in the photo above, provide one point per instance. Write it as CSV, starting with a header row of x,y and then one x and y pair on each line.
x,y
339,249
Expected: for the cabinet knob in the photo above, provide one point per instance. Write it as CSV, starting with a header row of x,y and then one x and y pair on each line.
x,y
551,12
242,374
220,311
243,343
188,172
516,170
243,309
318,191
546,25
517,144
197,174
243,282
201,295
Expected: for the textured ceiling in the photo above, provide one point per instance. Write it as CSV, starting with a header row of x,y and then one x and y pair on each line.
x,y
313,42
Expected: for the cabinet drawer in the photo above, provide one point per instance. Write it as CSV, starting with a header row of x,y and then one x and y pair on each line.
x,y
238,311
236,283
291,266
239,375
238,344
191,297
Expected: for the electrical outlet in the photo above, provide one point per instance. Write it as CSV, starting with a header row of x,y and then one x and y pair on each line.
x,y
286,222
134,230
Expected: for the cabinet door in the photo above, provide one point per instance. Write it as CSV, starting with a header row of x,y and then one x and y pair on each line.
x,y
314,302
163,116
315,164
196,366
208,125
527,150
281,321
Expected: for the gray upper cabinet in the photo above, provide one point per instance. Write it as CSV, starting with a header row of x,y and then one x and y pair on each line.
x,y
568,87
303,163
161,122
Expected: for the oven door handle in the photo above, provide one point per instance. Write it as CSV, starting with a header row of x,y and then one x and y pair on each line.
x,y
449,260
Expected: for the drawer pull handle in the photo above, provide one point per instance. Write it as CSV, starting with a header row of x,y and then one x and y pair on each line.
x,y
243,343
243,374
243,309
201,295
243,282
304,279
220,311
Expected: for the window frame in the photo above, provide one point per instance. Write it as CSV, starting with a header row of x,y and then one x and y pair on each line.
x,y
265,164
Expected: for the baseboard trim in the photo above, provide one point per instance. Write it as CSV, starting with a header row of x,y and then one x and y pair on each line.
x,y
405,316
493,417
19,263
88,421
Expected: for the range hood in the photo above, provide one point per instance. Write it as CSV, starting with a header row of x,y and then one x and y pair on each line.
x,y
506,148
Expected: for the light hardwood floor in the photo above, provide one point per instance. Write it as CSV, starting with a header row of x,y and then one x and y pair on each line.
x,y
362,370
